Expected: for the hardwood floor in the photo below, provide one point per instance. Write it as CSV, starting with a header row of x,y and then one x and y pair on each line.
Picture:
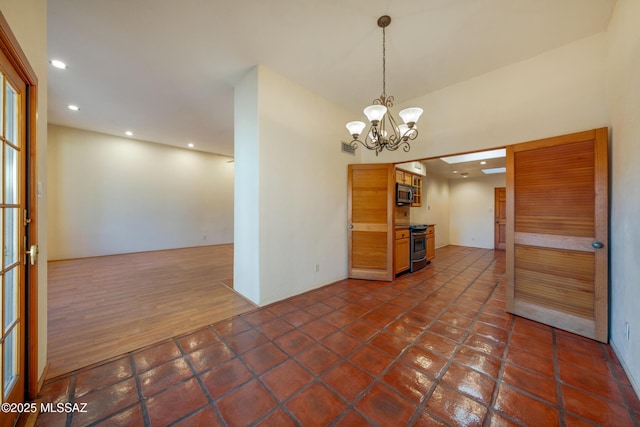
x,y
102,307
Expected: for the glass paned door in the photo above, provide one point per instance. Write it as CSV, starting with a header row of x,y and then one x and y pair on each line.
x,y
12,236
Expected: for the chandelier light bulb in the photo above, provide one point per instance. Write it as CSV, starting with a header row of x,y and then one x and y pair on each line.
x,y
375,113
355,128
410,115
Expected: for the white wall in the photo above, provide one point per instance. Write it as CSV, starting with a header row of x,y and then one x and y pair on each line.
x,y
112,195
472,216
555,93
28,22
623,83
302,189
435,206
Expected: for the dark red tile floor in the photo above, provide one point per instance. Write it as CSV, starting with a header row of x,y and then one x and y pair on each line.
x,y
432,348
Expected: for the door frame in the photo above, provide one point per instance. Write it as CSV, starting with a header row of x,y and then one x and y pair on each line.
x,y
20,63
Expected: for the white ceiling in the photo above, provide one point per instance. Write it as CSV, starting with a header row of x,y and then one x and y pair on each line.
x,y
165,69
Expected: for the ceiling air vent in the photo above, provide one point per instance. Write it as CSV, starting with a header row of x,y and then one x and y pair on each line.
x,y
346,148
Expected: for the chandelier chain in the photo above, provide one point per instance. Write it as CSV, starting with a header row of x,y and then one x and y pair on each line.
x,y
384,62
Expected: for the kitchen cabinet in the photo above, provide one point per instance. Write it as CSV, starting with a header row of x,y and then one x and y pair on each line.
x,y
431,242
402,261
408,178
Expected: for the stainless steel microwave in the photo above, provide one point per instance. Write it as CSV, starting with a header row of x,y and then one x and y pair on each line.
x,y
404,194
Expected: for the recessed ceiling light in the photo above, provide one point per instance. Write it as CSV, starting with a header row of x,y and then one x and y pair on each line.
x,y
73,107
128,133
494,170
190,145
58,64
483,162
454,171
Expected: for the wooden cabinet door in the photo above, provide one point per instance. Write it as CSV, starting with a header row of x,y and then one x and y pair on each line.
x,y
431,242
557,232
371,199
402,259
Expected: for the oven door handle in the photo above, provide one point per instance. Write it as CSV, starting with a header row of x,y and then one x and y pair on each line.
x,y
418,260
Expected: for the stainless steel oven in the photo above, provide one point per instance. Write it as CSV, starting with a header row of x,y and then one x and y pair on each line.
x,y
418,246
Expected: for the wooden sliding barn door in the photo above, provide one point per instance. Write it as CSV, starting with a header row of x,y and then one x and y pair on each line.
x,y
371,200
557,232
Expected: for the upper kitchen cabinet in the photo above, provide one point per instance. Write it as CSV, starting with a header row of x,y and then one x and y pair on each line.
x,y
408,178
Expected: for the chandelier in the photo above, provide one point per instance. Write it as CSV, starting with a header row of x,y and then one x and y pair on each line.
x,y
384,132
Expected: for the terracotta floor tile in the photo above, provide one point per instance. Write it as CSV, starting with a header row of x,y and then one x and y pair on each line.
x,y
318,329
595,409
336,302
478,361
277,418
448,331
585,361
156,355
105,401
532,345
347,380
57,390
410,382
469,382
210,356
354,309
535,332
286,379
371,360
264,357
246,404
131,417
247,340
275,328
490,331
362,330
294,342
282,308
341,343
424,360
379,354
530,360
102,376
197,340
163,376
386,407
299,317
316,405
538,385
404,330
484,344
352,419
454,408
524,408
317,358
390,344
604,386
175,402
413,318
338,319
225,376
438,344
204,417
569,341
232,326
455,320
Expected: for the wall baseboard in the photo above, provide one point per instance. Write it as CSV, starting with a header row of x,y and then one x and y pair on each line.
x,y
634,383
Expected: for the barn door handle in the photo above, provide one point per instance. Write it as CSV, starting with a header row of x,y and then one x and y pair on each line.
x,y
597,245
